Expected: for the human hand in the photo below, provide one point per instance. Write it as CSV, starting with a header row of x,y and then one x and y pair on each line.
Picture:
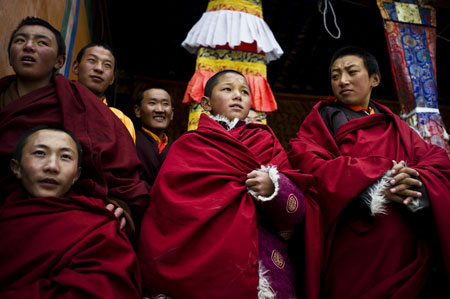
x,y
119,213
260,183
401,184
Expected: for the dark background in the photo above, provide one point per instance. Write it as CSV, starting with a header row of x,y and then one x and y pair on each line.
x,y
147,37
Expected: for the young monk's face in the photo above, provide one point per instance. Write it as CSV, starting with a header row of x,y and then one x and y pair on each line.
x,y
254,118
96,69
34,53
49,164
350,81
230,97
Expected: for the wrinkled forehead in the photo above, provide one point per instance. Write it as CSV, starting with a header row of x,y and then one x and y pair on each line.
x,y
232,78
347,61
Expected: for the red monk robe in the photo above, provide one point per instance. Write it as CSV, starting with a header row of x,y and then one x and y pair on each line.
x,y
110,163
200,234
68,247
379,257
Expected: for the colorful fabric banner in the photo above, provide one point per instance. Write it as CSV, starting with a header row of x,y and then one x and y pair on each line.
x,y
411,38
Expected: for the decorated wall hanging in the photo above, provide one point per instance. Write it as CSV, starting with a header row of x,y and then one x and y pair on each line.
x,y
410,28
231,34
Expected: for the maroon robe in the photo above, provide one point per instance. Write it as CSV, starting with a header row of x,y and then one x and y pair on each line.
x,y
148,153
68,247
380,256
200,235
110,164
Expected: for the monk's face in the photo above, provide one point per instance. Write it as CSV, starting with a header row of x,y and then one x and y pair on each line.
x,y
49,164
230,97
155,110
254,118
34,53
350,81
95,69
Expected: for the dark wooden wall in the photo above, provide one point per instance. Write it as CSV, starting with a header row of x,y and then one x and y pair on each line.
x,y
285,122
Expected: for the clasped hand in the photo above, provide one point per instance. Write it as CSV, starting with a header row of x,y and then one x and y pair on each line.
x,y
402,182
260,183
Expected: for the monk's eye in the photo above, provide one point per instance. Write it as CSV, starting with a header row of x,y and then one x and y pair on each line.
x,y
39,153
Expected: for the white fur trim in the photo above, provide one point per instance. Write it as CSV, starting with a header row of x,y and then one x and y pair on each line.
x,y
375,198
425,132
445,134
221,118
414,205
274,176
264,289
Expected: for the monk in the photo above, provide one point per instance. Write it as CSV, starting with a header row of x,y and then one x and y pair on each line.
x,y
154,109
56,244
383,191
223,206
95,67
35,95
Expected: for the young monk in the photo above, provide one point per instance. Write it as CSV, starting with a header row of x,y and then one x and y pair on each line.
x,y
56,244
95,67
254,117
377,180
223,205
35,95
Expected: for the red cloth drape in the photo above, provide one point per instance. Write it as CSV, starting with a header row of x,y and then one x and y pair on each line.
x,y
110,163
64,248
361,152
199,234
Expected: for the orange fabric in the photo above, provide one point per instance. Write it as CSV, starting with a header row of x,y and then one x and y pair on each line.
x,y
355,108
262,97
125,119
161,142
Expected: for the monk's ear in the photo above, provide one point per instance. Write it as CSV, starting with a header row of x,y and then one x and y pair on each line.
x,y
60,60
77,176
375,80
205,102
75,67
15,167
112,79
137,111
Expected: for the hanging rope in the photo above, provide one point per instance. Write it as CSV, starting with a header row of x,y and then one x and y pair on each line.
x,y
324,13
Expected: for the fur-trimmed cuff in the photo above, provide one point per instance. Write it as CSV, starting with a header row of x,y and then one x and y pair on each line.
x,y
375,198
264,289
274,176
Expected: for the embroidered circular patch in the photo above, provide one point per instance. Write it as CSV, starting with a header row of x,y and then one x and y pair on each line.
x,y
292,204
277,259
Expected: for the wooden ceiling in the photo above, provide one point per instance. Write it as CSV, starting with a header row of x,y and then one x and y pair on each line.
x,y
147,36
